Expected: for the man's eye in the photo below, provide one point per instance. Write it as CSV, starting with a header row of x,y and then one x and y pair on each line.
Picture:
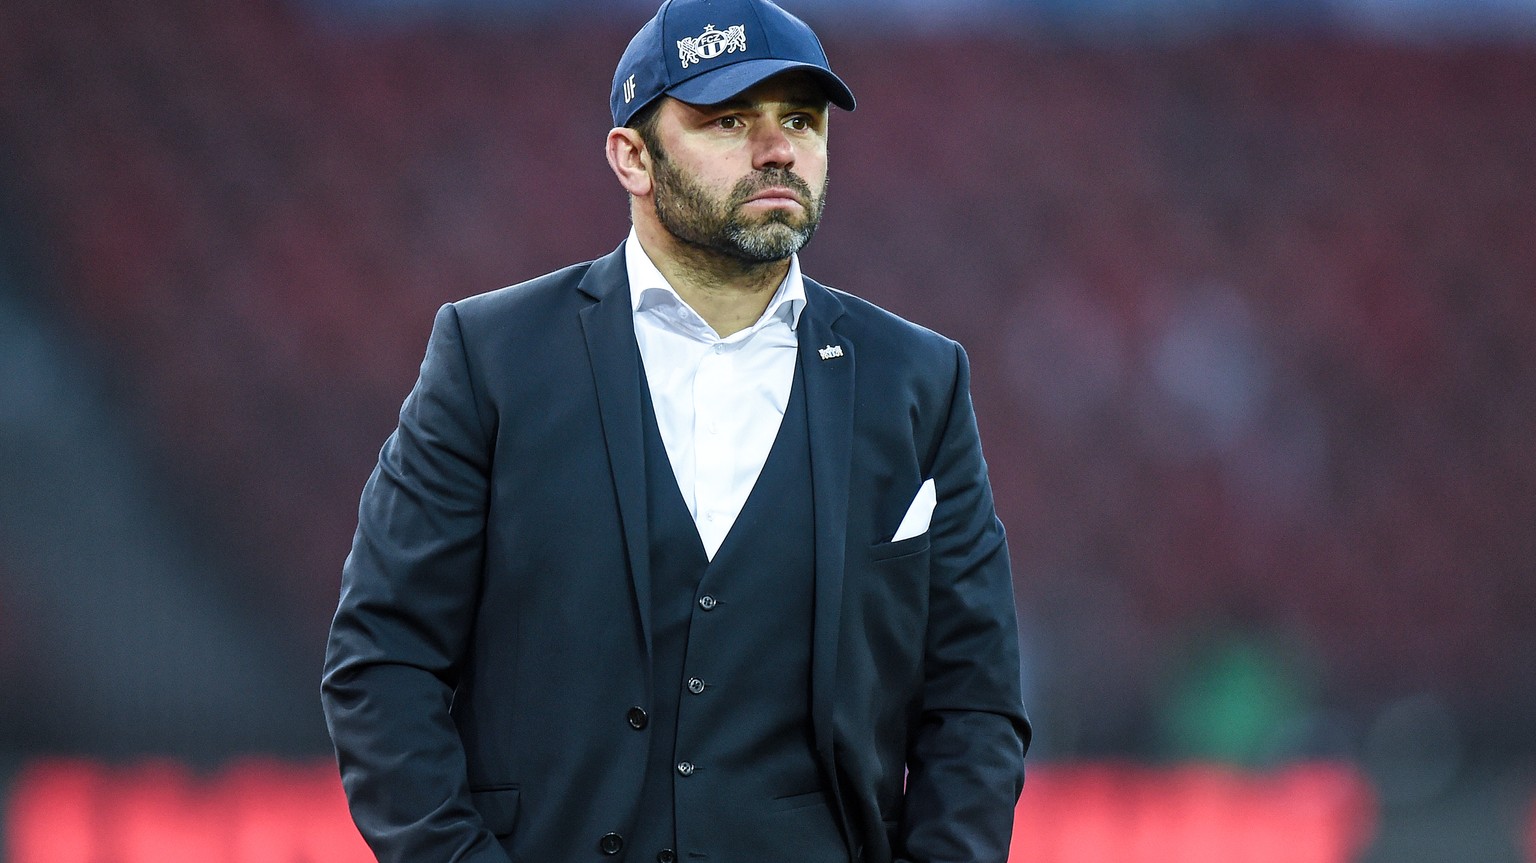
x,y
729,122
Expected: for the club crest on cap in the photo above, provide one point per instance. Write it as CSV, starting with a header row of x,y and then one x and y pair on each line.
x,y
711,44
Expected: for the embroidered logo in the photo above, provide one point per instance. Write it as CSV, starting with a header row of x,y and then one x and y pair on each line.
x,y
830,352
711,44
629,89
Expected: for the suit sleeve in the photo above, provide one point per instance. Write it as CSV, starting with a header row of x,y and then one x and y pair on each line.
x,y
407,604
966,759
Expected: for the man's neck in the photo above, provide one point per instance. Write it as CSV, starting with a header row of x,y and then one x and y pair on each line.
x,y
728,293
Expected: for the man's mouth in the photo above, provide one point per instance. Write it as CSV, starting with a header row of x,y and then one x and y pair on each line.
x,y
777,196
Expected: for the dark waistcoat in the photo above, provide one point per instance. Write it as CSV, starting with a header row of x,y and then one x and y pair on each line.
x,y
732,775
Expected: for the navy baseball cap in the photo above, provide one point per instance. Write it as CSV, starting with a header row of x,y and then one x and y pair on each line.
x,y
706,51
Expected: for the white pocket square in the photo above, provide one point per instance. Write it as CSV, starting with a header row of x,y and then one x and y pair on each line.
x,y
915,522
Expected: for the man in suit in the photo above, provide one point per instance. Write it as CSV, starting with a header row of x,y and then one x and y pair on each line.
x,y
678,554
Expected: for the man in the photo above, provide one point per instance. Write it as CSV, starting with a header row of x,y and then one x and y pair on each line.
x,y
677,554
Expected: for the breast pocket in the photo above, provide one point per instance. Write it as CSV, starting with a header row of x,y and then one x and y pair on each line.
x,y
892,595
901,548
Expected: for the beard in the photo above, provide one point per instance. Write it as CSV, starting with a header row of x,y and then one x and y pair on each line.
x,y
687,210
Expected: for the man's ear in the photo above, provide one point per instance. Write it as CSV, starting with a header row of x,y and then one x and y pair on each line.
x,y
630,160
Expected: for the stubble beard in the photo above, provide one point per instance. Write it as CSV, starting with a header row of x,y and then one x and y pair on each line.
x,y
687,210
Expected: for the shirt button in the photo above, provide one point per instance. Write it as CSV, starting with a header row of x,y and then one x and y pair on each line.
x,y
611,844
685,768
637,718
695,685
708,603
666,855
719,349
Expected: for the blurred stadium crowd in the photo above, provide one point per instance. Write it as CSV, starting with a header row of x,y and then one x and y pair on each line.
x,y
1252,317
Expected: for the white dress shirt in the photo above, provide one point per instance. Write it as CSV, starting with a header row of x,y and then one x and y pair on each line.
x,y
719,401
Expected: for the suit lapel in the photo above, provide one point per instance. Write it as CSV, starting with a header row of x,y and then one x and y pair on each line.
x,y
828,359
608,328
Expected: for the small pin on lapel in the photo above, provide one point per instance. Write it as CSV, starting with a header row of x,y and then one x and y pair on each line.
x,y
830,352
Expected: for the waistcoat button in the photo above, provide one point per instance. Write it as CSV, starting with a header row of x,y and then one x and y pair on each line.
x,y
666,855
685,768
708,603
637,718
695,685
611,844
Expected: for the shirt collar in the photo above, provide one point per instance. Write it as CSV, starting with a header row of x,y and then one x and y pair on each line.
x,y
648,288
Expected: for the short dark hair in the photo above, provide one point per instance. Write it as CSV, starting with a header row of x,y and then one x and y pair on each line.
x,y
645,121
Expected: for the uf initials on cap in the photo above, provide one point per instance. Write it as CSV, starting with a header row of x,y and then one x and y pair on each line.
x,y
629,89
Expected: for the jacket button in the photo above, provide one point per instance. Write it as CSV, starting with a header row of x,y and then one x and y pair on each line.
x,y
695,685
685,768
637,718
611,844
708,603
666,855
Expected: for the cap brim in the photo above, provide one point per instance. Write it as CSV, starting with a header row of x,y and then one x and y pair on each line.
x,y
726,82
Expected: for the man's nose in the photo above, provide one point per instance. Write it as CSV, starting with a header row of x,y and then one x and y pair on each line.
x,y
771,147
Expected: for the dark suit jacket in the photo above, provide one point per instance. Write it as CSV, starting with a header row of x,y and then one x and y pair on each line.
x,y
493,626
